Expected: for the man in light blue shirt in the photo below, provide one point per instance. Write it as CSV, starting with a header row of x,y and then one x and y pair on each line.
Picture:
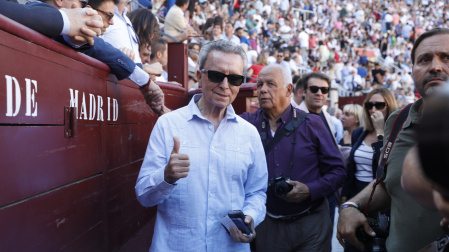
x,y
203,161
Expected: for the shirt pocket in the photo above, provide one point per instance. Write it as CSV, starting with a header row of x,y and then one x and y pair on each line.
x,y
237,160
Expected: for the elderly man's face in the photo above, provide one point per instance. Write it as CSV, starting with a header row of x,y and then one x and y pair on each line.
x,y
271,91
431,68
221,94
315,101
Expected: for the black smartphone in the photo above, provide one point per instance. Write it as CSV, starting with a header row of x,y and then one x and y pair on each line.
x,y
238,218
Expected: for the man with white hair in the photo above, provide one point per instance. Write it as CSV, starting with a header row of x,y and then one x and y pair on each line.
x,y
298,216
352,80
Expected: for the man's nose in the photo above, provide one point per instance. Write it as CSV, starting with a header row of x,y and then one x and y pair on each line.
x,y
224,83
437,65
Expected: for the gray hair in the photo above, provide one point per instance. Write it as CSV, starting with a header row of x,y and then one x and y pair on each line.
x,y
285,73
221,46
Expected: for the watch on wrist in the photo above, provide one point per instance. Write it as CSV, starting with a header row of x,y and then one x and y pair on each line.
x,y
380,137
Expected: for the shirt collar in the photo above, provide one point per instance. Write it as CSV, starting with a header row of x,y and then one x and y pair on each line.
x,y
413,114
117,13
196,113
284,118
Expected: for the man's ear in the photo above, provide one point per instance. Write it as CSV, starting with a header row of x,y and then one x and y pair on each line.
x,y
159,54
198,77
59,3
289,90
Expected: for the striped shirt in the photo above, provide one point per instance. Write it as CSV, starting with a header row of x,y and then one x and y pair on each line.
x,y
363,158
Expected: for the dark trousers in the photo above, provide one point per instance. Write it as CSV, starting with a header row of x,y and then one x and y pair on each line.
x,y
311,232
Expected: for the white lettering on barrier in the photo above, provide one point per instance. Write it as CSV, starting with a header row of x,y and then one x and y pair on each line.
x,y
14,101
95,106
100,109
13,93
9,96
31,97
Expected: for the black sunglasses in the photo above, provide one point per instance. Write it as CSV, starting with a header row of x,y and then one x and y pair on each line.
x,y
314,89
107,14
218,77
83,4
378,105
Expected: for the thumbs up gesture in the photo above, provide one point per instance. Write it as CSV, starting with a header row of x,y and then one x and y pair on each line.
x,y
178,165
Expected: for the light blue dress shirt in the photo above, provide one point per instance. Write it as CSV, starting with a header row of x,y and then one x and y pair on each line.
x,y
228,171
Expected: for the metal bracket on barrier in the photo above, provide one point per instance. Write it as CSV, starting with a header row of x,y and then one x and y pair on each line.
x,y
70,122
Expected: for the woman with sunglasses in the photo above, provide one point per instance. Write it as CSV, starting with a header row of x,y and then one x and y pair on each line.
x,y
367,141
351,120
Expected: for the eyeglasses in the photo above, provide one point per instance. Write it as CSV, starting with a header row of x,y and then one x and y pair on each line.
x,y
218,77
83,4
280,56
108,15
314,89
378,105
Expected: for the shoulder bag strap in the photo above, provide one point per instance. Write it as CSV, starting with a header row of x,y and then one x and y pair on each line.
x,y
286,131
380,173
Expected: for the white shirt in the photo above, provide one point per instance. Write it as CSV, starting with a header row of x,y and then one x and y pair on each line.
x,y
303,40
348,81
363,158
122,34
234,39
228,171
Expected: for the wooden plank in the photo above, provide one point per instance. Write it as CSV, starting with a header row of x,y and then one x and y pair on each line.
x,y
141,242
36,159
126,143
130,104
47,87
54,220
125,214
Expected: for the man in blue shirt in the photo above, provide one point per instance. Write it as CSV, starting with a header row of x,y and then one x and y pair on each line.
x,y
203,161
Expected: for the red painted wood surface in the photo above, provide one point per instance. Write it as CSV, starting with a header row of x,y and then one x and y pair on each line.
x,y
342,101
61,193
69,194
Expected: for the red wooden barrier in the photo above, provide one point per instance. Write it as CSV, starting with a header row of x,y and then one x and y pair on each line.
x,y
67,180
69,193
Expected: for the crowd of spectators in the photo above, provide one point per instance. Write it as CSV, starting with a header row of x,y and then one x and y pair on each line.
x,y
360,45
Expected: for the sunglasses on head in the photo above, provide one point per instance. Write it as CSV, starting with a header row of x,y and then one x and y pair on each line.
x,y
314,89
378,105
218,77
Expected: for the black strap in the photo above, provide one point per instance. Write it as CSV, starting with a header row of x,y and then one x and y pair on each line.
x,y
397,126
380,173
286,131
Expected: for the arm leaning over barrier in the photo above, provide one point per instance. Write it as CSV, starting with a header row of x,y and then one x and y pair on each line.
x,y
83,24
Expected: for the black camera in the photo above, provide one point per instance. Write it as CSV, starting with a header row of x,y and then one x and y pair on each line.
x,y
278,187
381,226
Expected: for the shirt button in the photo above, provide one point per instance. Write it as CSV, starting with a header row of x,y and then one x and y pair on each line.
x,y
212,147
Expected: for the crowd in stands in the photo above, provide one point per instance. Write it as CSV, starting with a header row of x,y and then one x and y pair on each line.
x,y
360,45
